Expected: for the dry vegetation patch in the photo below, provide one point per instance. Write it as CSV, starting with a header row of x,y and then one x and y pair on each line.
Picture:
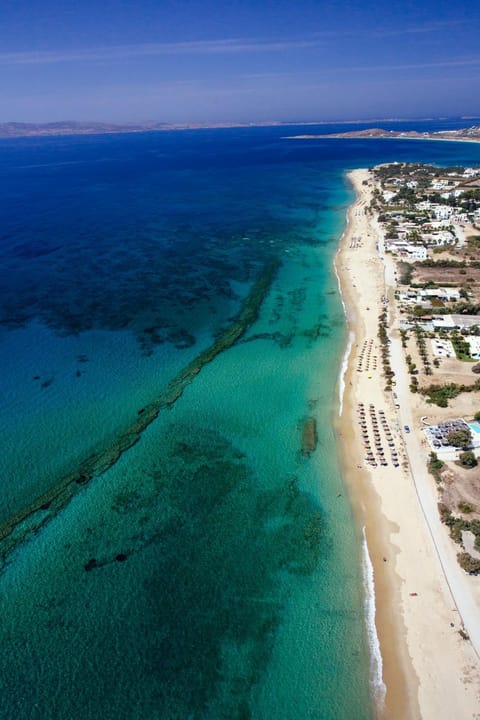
x,y
441,275
461,491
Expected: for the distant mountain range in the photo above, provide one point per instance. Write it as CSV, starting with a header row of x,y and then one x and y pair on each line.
x,y
471,134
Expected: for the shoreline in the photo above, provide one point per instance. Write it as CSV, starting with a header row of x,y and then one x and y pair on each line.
x,y
428,670
385,137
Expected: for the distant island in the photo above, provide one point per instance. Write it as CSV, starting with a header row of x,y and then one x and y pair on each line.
x,y
73,127
471,134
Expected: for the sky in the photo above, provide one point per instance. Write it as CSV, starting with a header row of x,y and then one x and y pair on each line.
x,y
209,61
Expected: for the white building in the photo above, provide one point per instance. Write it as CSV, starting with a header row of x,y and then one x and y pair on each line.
x,y
416,252
388,195
424,205
442,348
442,212
453,193
402,247
450,322
474,343
442,237
445,294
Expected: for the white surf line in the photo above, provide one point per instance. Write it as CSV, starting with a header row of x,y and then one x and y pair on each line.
x,y
343,371
376,663
351,335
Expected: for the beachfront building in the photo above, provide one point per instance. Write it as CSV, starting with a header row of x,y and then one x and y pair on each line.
x,y
441,293
409,250
414,297
437,435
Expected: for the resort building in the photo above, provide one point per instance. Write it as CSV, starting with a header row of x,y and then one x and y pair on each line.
x,y
437,437
441,293
474,344
442,348
450,322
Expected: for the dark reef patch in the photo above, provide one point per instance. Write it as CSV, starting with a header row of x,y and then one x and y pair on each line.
x,y
168,602
112,283
216,589
309,436
63,489
212,600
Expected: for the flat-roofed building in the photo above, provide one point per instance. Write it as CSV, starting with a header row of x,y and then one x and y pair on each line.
x,y
474,344
442,348
450,322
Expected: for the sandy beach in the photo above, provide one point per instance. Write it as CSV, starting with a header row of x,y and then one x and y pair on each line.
x,y
423,599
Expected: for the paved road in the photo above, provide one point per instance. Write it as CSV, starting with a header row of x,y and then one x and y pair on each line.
x,y
460,584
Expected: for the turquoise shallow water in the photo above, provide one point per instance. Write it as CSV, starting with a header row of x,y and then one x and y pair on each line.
x,y
210,570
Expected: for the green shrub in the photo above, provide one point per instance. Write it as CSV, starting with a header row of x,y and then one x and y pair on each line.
x,y
441,394
468,563
434,462
465,507
467,459
456,529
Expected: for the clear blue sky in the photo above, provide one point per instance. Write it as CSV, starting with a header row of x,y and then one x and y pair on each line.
x,y
250,60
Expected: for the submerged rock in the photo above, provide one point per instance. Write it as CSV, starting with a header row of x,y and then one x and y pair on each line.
x,y
309,436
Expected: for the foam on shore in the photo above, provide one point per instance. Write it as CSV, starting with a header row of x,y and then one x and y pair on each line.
x,y
351,334
376,664
343,370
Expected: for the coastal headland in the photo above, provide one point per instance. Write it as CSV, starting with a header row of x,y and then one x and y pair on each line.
x,y
470,134
427,607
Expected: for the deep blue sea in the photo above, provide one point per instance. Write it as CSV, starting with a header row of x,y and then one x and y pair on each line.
x,y
169,320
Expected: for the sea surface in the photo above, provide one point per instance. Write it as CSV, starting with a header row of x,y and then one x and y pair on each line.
x,y
169,325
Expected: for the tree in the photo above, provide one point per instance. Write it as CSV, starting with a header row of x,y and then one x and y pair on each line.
x,y
477,415
467,459
459,438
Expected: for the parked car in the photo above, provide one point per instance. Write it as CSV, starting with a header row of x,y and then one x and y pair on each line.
x,y
406,428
